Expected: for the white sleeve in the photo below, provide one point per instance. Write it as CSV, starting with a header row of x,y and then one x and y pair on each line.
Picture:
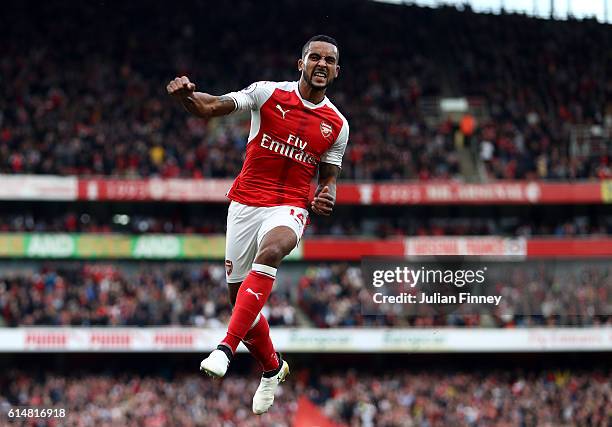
x,y
252,97
336,151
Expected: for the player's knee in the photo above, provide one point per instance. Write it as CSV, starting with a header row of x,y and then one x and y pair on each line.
x,y
232,290
270,255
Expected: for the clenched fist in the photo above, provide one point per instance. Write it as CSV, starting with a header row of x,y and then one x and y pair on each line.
x,y
180,88
323,202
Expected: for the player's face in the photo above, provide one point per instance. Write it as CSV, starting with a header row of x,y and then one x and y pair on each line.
x,y
319,66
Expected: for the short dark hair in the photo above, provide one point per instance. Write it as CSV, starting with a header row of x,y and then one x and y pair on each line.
x,y
321,38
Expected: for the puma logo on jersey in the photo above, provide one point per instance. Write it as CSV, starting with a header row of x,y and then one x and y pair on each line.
x,y
251,291
283,112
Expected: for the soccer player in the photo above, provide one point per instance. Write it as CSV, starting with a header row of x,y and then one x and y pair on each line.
x,y
295,132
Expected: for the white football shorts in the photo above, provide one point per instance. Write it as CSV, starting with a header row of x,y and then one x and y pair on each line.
x,y
246,227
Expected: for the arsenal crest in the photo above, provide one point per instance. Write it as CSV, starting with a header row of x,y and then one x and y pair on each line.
x,y
229,267
326,129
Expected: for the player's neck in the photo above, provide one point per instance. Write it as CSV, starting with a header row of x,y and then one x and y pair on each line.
x,y
309,93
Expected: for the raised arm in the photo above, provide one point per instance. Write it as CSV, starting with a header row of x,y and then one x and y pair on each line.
x,y
199,103
325,195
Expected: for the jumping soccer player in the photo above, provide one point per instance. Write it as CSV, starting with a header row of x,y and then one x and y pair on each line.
x,y
295,132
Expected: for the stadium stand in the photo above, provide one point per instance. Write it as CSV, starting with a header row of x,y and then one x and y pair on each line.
x,y
65,113
395,398
380,224
105,256
338,226
105,295
541,294
330,295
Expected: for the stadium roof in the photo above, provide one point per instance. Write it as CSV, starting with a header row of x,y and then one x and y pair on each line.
x,y
561,9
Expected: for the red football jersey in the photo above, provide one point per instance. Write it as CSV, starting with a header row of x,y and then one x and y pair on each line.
x,y
289,137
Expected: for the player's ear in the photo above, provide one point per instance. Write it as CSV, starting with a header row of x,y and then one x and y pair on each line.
x,y
300,64
337,70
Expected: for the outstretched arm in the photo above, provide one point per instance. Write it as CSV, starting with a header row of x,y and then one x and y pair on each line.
x,y
199,103
325,195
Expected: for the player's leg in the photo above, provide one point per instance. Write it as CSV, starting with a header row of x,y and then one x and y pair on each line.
x,y
243,222
272,232
256,288
257,339
278,234
251,297
274,229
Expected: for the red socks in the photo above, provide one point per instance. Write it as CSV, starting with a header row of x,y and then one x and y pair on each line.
x,y
258,341
252,296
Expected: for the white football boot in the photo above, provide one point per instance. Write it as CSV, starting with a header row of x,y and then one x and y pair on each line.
x,y
215,364
264,396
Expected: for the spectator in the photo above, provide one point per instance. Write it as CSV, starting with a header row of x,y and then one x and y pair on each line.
x,y
96,105
393,398
105,295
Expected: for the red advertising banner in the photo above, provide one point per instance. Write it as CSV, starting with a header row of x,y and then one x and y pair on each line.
x,y
40,187
570,248
176,190
349,249
508,192
334,249
214,190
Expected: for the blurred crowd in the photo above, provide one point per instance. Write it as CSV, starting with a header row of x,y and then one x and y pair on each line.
x,y
502,399
407,224
535,294
105,295
330,295
361,399
71,222
342,223
90,99
152,401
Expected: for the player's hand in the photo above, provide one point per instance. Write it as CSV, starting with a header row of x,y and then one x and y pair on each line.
x,y
323,202
180,88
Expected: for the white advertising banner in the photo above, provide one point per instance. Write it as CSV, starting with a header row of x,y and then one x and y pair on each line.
x,y
38,187
486,245
309,340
